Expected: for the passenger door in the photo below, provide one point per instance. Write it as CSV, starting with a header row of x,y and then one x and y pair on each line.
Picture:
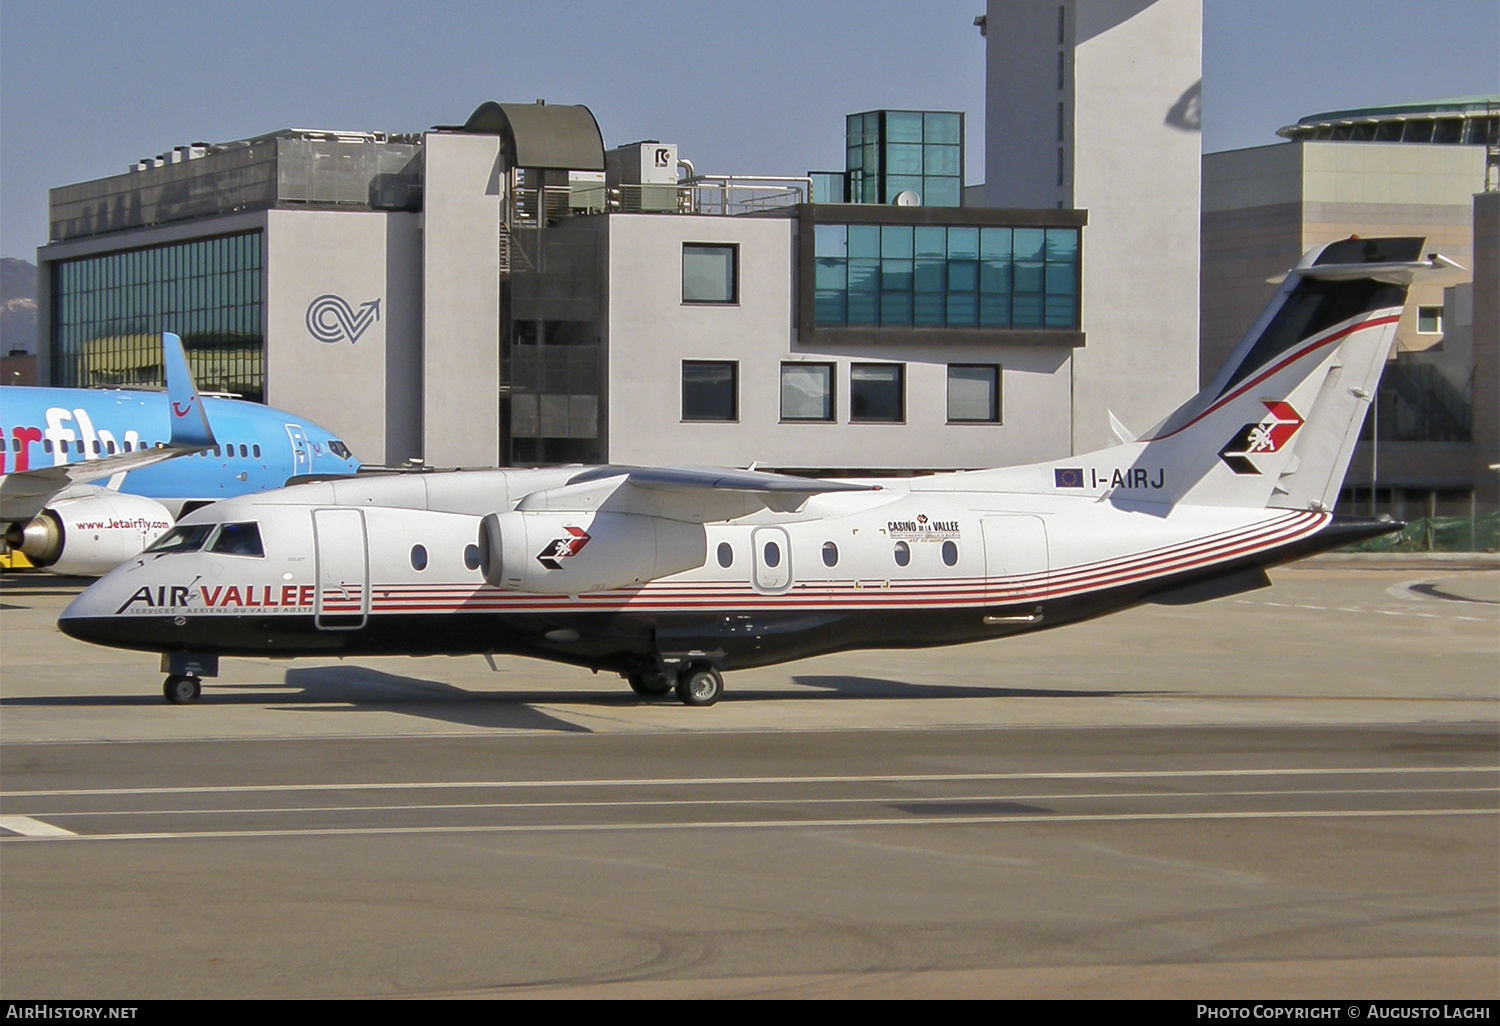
x,y
301,457
1015,558
343,595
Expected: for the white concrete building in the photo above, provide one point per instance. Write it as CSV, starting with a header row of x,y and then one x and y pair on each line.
x,y
1094,105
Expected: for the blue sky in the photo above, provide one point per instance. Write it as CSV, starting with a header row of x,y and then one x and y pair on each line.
x,y
88,86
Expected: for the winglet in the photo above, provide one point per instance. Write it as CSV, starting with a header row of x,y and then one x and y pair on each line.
x,y
190,428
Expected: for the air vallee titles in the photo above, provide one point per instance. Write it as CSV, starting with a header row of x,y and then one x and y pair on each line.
x,y
671,576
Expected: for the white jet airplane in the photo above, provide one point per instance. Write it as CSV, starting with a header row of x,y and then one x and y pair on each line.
x,y
669,576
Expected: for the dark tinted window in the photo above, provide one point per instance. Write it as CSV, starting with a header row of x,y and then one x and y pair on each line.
x,y
188,538
950,553
238,540
773,554
875,392
726,554
471,557
419,557
709,390
903,553
830,554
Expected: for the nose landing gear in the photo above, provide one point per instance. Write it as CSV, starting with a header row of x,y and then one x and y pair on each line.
x,y
182,690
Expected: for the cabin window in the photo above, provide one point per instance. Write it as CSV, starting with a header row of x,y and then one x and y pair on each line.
x,y
255,451
726,555
97,450
830,554
216,451
419,557
63,446
15,445
188,538
238,540
109,447
950,553
244,452
772,553
903,554
471,557
47,445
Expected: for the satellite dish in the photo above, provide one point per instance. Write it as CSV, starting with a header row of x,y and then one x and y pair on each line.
x,y
906,198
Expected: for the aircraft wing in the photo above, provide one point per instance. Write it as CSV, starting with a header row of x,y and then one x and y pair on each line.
x,y
25,494
690,494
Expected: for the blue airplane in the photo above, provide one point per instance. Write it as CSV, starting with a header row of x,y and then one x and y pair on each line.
x,y
159,455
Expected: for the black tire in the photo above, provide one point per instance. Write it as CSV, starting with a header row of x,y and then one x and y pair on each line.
x,y
649,685
700,685
182,690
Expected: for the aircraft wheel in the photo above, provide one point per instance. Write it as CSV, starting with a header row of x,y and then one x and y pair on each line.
x,y
649,685
182,690
700,685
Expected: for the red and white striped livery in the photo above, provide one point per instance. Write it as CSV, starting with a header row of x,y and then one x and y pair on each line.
x,y
670,576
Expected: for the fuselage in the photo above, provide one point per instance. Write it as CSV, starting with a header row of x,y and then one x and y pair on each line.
x,y
925,562
259,447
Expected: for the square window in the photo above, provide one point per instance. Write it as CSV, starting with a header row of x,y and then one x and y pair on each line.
x,y
807,391
1430,320
877,392
973,393
710,390
710,274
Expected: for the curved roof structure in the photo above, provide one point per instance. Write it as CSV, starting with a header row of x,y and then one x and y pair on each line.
x,y
561,136
1465,120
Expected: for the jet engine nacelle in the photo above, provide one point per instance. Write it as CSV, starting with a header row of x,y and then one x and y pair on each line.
x,y
571,553
90,534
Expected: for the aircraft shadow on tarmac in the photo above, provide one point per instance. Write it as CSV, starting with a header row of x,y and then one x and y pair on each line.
x,y
339,689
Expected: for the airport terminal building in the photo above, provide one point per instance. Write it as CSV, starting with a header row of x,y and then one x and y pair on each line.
x,y
506,292
511,292
1427,169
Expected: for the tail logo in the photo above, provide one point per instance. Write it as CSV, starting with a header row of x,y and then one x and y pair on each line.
x,y
180,410
1269,435
561,548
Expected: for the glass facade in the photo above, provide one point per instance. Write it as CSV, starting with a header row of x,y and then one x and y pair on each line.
x,y
109,311
888,152
936,276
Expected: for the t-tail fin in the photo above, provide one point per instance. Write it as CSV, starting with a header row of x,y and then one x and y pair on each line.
x,y
1277,426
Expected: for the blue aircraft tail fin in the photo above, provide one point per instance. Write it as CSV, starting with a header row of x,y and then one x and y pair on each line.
x,y
190,428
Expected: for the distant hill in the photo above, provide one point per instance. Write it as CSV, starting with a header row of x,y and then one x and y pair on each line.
x,y
18,313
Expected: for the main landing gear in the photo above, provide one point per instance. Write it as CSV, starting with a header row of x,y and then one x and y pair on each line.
x,y
182,690
695,683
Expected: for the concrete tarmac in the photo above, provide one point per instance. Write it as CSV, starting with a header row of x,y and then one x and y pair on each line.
x,y
1289,793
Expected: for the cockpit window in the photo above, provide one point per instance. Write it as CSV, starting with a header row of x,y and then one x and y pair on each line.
x,y
338,448
188,538
238,540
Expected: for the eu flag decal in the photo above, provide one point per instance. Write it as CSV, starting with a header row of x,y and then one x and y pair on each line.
x,y
1068,477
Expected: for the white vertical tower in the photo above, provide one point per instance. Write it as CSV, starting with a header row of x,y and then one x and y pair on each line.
x,y
1094,104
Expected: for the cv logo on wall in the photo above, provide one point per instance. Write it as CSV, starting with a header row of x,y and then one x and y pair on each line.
x,y
330,318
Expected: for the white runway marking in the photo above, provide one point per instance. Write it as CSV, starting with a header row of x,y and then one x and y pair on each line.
x,y
905,778
905,800
28,827
767,824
